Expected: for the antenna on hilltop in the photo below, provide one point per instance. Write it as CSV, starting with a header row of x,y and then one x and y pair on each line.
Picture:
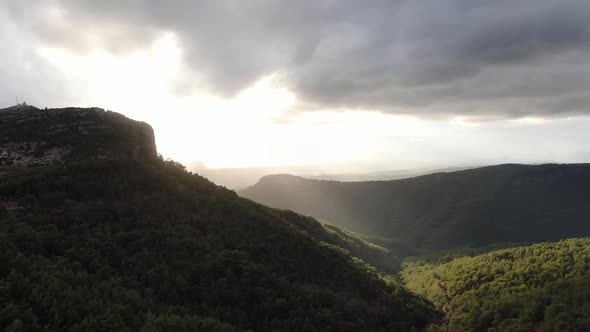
x,y
17,100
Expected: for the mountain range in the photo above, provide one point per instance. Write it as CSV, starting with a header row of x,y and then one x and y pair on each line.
x,y
240,178
474,208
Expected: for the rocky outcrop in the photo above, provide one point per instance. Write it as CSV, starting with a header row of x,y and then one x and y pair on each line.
x,y
32,137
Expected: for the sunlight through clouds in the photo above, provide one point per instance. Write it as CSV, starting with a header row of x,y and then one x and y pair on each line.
x,y
265,124
220,132
254,128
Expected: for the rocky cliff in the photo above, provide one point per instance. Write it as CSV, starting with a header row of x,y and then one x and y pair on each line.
x,y
32,137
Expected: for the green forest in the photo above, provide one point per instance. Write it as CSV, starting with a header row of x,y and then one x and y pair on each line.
x,y
130,246
539,287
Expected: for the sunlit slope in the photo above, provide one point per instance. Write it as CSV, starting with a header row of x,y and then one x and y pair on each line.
x,y
541,287
477,207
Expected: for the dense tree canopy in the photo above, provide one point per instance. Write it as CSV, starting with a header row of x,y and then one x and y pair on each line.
x,y
127,246
543,287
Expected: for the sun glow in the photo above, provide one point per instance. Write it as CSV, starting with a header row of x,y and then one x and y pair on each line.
x,y
262,125
221,132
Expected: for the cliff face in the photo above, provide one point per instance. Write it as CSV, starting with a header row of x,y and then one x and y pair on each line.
x,y
33,137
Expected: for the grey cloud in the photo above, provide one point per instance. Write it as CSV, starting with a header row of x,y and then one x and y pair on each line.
x,y
427,58
27,76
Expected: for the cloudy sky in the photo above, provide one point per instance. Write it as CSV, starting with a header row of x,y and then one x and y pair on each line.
x,y
345,85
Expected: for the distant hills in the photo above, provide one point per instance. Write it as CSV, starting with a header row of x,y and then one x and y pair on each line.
x,y
475,207
242,178
384,175
107,236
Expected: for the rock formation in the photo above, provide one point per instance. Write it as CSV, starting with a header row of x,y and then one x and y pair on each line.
x,y
30,136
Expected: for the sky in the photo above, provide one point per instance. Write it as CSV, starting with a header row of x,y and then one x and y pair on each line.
x,y
344,85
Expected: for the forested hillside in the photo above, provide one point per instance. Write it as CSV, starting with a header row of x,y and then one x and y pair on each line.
x,y
140,244
541,287
113,245
476,207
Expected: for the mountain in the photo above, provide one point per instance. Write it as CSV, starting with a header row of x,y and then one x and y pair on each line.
x,y
105,235
242,178
539,287
475,207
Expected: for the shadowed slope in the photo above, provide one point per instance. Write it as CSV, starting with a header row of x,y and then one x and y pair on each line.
x,y
141,244
478,207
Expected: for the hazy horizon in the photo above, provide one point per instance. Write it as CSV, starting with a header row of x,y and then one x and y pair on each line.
x,y
345,87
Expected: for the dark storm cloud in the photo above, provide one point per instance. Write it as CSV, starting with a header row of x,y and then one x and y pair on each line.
x,y
429,58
